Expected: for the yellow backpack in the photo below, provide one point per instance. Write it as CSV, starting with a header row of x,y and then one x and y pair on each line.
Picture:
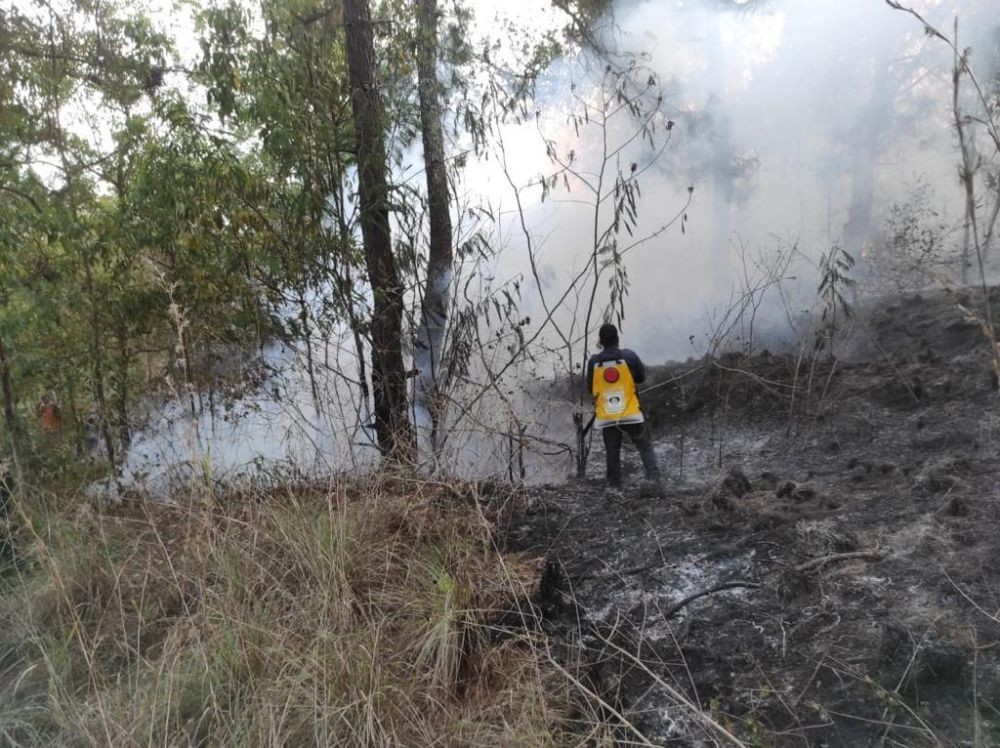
x,y
614,394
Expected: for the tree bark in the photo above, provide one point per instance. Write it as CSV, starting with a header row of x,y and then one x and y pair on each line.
x,y
392,425
97,363
121,394
96,333
10,418
430,340
307,338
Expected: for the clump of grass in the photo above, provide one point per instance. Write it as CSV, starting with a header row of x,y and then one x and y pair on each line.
x,y
359,614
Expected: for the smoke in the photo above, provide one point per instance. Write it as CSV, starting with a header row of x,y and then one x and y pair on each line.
x,y
798,123
281,415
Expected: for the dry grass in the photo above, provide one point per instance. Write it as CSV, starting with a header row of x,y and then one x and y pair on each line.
x,y
359,614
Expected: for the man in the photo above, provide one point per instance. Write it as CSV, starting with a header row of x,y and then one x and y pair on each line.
x,y
612,375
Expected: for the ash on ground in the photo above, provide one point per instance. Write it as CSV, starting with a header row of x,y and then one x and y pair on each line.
x,y
847,514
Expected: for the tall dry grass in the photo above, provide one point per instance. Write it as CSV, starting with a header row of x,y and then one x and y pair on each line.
x,y
357,614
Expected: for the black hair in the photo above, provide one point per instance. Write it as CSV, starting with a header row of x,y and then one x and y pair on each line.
x,y
608,335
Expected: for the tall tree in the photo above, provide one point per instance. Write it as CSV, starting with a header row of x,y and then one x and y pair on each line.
x,y
434,314
392,425
10,419
57,63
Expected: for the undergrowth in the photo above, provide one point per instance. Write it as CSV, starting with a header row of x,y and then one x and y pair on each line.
x,y
358,614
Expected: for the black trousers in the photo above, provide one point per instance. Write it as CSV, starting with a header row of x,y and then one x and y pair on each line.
x,y
639,434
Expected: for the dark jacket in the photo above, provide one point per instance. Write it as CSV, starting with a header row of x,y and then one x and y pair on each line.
x,y
613,353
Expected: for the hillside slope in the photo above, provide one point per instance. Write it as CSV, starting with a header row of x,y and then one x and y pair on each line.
x,y
855,530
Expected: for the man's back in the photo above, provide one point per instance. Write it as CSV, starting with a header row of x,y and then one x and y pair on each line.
x,y
614,353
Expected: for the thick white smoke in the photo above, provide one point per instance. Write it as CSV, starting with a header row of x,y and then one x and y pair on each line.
x,y
799,122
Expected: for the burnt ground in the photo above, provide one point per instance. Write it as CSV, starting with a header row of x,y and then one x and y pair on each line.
x,y
891,455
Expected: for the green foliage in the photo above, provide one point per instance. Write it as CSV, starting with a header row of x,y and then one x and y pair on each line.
x,y
145,195
105,233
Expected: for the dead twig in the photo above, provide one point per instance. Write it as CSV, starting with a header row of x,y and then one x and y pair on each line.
x,y
867,555
673,379
973,603
705,718
889,360
721,587
817,563
767,384
643,740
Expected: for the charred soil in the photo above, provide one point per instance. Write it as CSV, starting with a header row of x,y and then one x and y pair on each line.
x,y
841,518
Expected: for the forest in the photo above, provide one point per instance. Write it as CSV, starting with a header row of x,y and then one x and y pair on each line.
x,y
296,304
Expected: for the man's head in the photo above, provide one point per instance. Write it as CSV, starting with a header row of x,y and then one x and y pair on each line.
x,y
608,335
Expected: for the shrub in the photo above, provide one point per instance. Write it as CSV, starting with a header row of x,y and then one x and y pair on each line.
x,y
360,614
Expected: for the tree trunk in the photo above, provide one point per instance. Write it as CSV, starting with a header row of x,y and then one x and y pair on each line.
x,y
123,362
10,417
392,425
307,338
430,340
97,364
345,283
